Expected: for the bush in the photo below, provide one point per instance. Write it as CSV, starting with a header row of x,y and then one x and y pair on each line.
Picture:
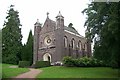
x,y
85,61
82,62
68,61
78,63
40,64
24,64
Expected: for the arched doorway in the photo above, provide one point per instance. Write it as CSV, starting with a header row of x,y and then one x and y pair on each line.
x,y
47,57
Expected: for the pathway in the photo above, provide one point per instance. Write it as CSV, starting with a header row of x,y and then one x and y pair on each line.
x,y
31,74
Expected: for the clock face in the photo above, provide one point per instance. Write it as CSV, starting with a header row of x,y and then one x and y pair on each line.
x,y
47,40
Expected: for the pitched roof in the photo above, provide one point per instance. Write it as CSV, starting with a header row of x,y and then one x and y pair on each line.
x,y
71,29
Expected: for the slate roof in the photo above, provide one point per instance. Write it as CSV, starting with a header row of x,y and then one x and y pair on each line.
x,y
71,29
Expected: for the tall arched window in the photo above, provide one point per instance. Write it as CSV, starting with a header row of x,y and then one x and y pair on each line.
x,y
73,43
85,47
65,41
80,45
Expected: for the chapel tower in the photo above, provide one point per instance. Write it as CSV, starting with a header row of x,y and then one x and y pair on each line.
x,y
37,29
59,36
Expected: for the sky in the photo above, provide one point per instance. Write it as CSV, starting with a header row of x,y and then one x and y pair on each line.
x,y
31,10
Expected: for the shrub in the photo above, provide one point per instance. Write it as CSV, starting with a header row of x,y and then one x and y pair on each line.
x,y
24,64
40,64
78,63
68,61
97,63
85,61
82,62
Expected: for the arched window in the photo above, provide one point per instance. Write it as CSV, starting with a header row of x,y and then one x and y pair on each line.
x,y
73,43
85,47
79,45
65,41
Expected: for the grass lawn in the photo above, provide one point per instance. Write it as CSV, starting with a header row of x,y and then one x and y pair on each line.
x,y
0,70
75,72
8,72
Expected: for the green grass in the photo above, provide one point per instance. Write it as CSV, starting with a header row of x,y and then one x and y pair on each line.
x,y
8,72
0,70
75,72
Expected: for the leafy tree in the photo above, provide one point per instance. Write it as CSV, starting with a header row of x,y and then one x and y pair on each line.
x,y
103,27
27,50
11,37
71,26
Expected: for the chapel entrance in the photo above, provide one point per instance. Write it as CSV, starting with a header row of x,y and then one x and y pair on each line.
x,y
47,57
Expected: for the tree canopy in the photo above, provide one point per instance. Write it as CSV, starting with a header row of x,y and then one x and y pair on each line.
x,y
103,28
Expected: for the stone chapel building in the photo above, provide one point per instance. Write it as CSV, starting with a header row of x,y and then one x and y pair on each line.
x,y
54,40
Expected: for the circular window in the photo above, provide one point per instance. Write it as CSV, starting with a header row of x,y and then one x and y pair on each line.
x,y
47,40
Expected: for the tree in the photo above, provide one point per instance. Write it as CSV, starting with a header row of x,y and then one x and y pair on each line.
x,y
27,54
23,55
103,27
11,37
71,26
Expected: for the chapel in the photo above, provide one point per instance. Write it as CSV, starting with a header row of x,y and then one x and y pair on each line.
x,y
53,41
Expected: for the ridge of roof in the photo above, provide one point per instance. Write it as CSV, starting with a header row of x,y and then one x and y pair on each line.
x,y
71,30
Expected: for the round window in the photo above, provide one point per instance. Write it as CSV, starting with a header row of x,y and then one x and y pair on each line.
x,y
47,40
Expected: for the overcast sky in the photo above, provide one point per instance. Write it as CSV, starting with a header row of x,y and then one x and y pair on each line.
x,y
31,10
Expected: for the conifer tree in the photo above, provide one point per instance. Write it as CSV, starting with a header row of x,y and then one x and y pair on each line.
x,y
27,51
11,37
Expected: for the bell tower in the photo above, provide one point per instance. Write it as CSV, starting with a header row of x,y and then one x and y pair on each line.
x,y
59,37
59,21
37,29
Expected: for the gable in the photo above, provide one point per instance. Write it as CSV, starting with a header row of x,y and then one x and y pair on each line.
x,y
48,26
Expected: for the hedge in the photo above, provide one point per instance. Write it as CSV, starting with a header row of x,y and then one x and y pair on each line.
x,y
40,64
82,62
24,64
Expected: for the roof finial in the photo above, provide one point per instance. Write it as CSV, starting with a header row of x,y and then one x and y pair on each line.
x,y
37,20
59,15
47,14
59,12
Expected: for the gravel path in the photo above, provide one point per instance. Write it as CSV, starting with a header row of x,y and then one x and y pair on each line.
x,y
31,74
